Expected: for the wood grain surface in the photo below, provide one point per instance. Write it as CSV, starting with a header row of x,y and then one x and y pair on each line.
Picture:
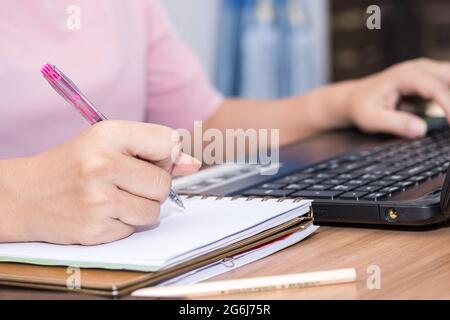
x,y
413,265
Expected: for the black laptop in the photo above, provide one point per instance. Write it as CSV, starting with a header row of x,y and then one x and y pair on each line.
x,y
359,179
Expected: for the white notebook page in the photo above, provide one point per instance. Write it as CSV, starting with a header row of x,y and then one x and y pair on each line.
x,y
206,225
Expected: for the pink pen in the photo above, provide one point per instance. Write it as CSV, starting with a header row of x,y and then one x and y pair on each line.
x,y
69,91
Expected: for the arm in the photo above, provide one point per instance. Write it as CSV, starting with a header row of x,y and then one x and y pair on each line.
x,y
296,117
368,103
11,222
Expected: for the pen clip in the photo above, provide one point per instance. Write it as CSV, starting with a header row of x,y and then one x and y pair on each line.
x,y
66,79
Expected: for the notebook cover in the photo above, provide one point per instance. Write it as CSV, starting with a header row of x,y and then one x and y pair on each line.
x,y
114,283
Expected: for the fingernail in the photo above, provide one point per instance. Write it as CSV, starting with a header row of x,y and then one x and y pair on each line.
x,y
416,129
185,159
175,137
175,154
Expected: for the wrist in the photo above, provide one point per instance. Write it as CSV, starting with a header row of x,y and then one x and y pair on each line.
x,y
329,106
338,103
335,105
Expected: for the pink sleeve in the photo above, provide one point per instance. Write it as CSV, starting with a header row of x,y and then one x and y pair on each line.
x,y
179,92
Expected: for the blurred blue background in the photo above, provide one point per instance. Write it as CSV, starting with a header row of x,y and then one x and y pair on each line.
x,y
258,48
276,48
271,48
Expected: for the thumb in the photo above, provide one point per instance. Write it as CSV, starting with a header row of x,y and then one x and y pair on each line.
x,y
182,165
400,123
185,164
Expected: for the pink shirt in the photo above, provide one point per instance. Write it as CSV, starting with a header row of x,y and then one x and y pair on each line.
x,y
126,58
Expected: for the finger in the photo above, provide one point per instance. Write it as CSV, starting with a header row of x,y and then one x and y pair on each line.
x,y
118,230
399,123
147,141
428,87
135,211
186,165
142,179
105,231
168,163
439,69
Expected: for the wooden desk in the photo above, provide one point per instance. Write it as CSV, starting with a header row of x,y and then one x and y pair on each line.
x,y
414,265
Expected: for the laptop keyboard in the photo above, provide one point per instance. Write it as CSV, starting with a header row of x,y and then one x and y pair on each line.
x,y
370,175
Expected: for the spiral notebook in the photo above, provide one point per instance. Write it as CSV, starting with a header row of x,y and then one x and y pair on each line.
x,y
208,224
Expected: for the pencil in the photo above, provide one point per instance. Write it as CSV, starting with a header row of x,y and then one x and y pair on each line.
x,y
214,288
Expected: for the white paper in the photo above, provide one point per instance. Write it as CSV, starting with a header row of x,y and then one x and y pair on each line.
x,y
240,260
206,225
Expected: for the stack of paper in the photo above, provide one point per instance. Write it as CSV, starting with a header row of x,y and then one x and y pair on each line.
x,y
240,260
205,226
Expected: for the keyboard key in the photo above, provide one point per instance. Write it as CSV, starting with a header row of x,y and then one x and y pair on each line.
x,y
324,176
352,195
370,176
431,173
372,168
272,186
297,186
442,169
321,167
332,166
392,170
349,176
415,170
358,165
300,176
316,187
335,181
396,177
268,192
368,189
375,196
404,184
312,181
317,194
309,170
356,182
382,183
390,190
418,179
343,187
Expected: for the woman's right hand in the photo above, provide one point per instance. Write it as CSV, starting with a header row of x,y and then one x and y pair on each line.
x,y
92,189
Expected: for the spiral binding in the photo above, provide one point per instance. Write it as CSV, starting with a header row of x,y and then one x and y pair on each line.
x,y
247,198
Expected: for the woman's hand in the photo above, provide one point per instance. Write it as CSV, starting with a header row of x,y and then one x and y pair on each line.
x,y
92,189
372,101
369,103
